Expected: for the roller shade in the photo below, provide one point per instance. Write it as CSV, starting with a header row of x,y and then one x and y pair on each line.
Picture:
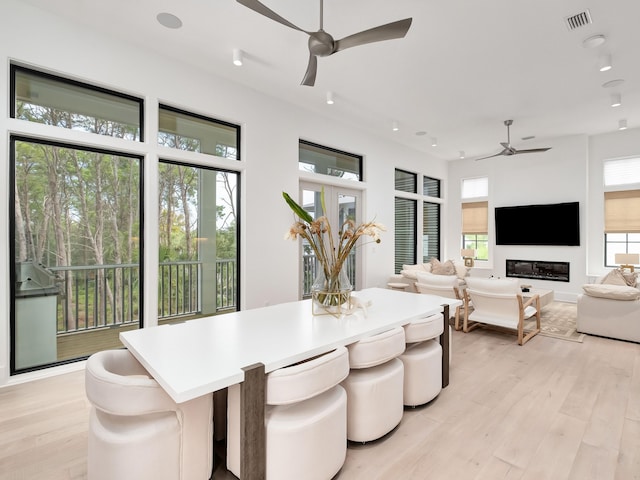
x,y
475,217
622,211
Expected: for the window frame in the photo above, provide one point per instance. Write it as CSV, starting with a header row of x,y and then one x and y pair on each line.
x,y
330,150
14,138
14,68
204,118
421,202
625,189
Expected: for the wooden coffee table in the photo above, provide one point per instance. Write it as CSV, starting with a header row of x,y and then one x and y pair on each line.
x,y
546,296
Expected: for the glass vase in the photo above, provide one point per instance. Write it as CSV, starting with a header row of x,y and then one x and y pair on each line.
x,y
331,294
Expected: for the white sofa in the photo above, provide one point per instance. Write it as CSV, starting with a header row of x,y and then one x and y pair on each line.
x,y
610,310
408,274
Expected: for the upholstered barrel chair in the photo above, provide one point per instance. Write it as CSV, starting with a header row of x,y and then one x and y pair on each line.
x,y
305,420
422,360
374,385
136,431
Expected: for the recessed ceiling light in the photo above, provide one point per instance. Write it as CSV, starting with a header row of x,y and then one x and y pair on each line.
x,y
616,99
421,133
169,20
461,154
434,142
604,63
330,100
593,41
238,57
622,124
394,126
613,83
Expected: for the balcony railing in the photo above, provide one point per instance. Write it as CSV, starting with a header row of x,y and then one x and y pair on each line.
x,y
92,297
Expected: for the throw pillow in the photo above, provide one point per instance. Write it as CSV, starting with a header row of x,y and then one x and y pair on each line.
x,y
409,271
631,278
461,270
614,277
444,268
613,292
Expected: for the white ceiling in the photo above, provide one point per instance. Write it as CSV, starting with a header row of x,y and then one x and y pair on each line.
x,y
464,67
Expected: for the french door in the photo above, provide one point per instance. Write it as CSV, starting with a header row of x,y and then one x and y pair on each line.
x,y
341,204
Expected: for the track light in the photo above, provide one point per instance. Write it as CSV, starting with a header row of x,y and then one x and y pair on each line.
x,y
604,63
330,98
394,126
616,99
238,57
434,142
622,124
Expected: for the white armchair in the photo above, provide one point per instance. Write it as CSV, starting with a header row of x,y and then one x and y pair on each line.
x,y
442,285
499,302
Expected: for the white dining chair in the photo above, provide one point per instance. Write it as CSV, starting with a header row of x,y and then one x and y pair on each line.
x,y
374,385
136,431
305,420
422,360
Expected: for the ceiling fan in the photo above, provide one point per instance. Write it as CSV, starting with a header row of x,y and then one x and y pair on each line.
x,y
321,44
509,150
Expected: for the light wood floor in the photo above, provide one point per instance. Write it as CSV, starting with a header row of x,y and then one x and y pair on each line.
x,y
551,409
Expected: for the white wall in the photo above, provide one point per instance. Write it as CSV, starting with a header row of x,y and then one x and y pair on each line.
x,y
570,171
270,133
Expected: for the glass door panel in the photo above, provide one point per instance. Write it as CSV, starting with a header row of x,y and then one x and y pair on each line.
x,y
342,205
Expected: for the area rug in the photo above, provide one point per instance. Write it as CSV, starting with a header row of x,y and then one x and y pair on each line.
x,y
558,320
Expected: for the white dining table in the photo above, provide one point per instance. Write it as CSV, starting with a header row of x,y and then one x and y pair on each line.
x,y
208,354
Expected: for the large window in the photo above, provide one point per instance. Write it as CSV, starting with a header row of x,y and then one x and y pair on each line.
x,y
77,234
475,216
77,224
198,219
621,207
198,236
408,223
329,161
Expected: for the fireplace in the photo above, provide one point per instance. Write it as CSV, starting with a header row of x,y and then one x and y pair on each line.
x,y
538,270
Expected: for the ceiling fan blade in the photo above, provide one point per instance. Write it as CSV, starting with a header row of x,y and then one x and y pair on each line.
x,y
377,34
505,145
258,7
491,156
532,150
310,75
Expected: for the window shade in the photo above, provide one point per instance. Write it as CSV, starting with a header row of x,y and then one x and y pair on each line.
x,y
475,217
430,231
405,232
622,211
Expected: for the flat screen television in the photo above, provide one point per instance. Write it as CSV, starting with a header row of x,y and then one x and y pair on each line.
x,y
548,224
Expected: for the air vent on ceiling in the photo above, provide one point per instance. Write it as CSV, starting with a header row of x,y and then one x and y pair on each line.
x,y
579,20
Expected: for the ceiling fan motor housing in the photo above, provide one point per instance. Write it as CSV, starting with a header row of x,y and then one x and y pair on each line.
x,y
321,44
